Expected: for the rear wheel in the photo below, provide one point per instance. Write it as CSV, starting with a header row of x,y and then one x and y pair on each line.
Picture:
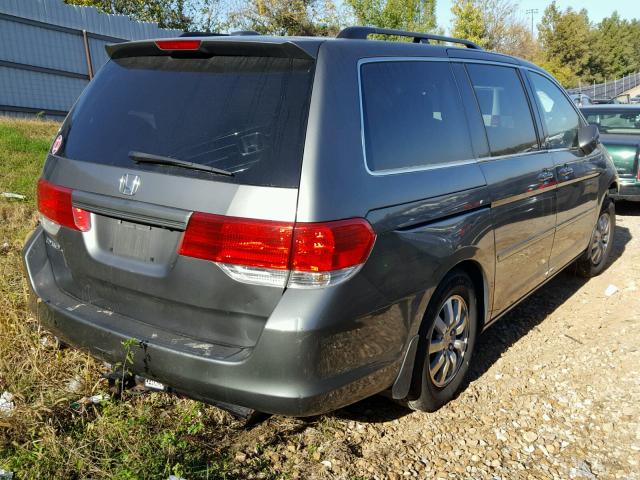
x,y
447,342
595,258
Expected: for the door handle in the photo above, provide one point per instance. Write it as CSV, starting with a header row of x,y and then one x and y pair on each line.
x,y
545,176
565,171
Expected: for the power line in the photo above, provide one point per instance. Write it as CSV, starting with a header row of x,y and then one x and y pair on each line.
x,y
532,12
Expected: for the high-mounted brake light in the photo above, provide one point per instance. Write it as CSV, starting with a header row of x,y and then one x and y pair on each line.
x,y
301,255
54,203
178,44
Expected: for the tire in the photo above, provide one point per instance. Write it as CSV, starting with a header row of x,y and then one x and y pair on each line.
x,y
595,259
436,389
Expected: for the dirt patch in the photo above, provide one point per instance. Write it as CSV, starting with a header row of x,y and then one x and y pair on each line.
x,y
554,393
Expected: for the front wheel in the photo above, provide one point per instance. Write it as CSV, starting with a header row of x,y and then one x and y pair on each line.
x,y
447,340
595,258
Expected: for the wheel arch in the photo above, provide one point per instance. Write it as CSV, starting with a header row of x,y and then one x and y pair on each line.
x,y
405,384
480,283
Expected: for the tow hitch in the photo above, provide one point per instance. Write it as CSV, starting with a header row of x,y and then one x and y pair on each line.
x,y
120,381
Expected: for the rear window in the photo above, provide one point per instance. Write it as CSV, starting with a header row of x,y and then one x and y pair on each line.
x,y
246,115
624,122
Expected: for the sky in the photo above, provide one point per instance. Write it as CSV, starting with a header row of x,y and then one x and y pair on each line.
x,y
597,9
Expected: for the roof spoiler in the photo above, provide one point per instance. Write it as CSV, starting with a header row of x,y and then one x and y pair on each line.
x,y
210,47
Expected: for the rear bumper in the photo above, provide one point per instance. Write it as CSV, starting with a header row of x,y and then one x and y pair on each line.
x,y
629,190
297,368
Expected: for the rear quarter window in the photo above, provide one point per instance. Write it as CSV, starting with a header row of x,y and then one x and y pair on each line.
x,y
246,115
504,108
412,116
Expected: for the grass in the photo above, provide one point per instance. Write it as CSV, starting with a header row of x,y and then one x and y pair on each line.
x,y
23,145
47,435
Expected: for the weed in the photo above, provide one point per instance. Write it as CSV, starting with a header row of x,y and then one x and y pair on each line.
x,y
149,436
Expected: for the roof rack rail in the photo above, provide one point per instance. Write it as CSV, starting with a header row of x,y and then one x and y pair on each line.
x,y
203,34
362,33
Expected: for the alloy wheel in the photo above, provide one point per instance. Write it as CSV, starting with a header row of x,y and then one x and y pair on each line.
x,y
449,340
601,237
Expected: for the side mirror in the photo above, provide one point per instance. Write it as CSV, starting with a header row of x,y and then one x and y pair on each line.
x,y
588,137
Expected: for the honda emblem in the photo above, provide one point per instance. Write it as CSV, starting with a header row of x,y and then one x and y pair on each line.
x,y
129,184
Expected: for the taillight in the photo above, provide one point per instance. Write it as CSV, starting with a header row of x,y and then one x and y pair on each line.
x,y
329,253
255,243
178,44
54,203
301,255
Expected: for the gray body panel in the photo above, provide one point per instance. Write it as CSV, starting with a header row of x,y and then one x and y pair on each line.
x,y
304,352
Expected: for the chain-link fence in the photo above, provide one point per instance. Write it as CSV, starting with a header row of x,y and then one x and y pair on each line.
x,y
610,88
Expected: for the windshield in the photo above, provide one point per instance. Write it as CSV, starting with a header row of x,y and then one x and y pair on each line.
x,y
626,122
246,115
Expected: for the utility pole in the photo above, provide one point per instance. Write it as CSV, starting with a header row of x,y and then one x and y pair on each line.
x,y
532,12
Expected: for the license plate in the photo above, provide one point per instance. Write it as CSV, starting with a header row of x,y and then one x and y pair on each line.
x,y
153,385
132,240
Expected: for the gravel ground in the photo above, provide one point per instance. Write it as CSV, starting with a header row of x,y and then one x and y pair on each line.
x,y
554,393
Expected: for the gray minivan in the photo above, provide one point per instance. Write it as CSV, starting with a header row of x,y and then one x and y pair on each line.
x,y
294,224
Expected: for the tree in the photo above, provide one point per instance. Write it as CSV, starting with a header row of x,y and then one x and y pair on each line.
x,y
178,14
634,35
500,19
287,17
566,40
469,22
412,15
614,45
520,42
494,25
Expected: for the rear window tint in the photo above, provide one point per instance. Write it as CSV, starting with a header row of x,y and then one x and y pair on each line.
x,y
505,110
246,115
412,115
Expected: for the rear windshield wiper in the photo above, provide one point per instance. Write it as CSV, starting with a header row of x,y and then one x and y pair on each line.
x,y
141,157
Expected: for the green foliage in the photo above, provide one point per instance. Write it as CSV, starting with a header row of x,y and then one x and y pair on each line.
x,y
288,17
574,50
469,22
412,15
566,38
176,14
494,25
164,445
613,43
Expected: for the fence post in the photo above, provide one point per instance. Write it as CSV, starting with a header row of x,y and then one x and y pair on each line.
x,y
87,54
